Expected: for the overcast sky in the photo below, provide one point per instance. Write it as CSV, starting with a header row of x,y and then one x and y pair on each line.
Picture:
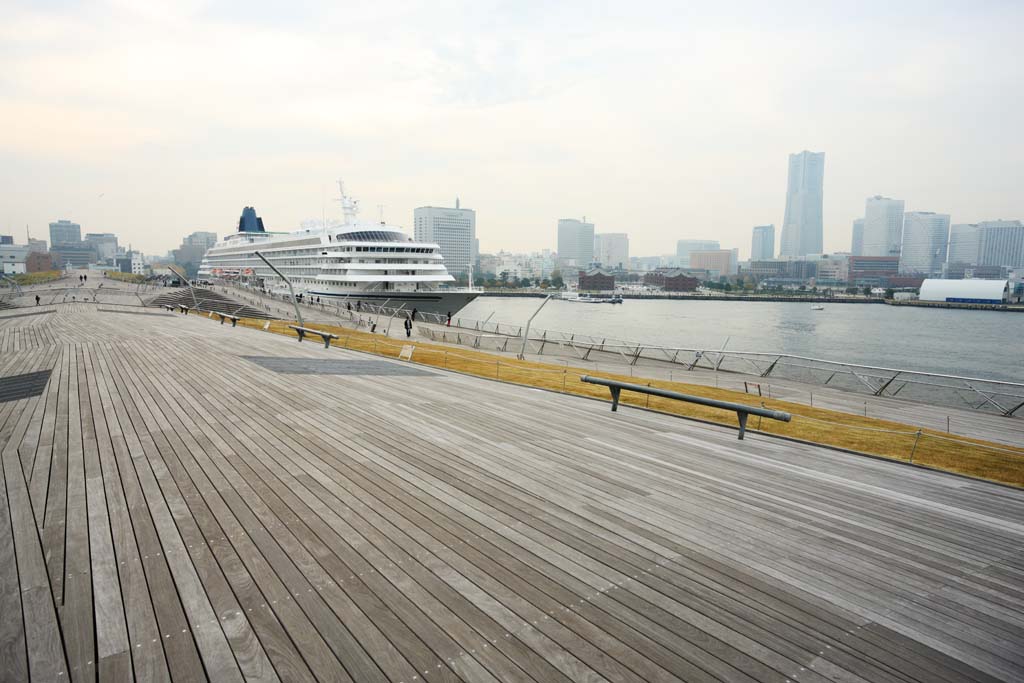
x,y
154,119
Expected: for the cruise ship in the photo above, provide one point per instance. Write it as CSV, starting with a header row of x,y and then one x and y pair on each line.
x,y
355,263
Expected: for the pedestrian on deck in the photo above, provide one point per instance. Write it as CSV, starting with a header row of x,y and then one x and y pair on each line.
x,y
449,323
408,327
37,299
414,312
373,327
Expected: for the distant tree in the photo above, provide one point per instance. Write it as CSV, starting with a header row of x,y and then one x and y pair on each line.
x,y
851,290
524,282
556,280
867,291
545,283
889,293
802,288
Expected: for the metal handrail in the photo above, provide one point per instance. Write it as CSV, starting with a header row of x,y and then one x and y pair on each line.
x,y
741,410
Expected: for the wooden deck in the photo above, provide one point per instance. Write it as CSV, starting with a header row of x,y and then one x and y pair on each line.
x,y
181,502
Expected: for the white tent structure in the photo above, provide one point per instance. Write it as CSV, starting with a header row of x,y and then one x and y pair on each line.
x,y
966,291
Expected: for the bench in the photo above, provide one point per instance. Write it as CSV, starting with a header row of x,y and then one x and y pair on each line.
x,y
326,336
742,411
226,316
184,309
168,307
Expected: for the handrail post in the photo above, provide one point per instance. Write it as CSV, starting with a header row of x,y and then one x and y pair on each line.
x,y
526,334
295,302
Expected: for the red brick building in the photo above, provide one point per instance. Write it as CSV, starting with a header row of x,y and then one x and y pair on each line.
x,y
596,280
671,281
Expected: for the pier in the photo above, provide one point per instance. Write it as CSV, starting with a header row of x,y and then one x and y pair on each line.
x,y
184,500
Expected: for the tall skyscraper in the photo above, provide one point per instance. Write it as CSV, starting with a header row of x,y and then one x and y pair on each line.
x,y
611,249
685,247
575,242
105,244
453,230
883,226
65,232
925,238
802,225
857,242
762,244
1001,243
963,244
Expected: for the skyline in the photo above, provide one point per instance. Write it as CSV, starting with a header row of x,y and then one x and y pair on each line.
x,y
125,118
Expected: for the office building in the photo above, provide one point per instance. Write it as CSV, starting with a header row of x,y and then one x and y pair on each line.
x,y
206,240
37,245
686,247
883,226
963,244
6,240
802,224
874,271
453,231
12,259
925,239
1001,243
65,232
717,261
105,244
857,240
71,255
575,242
611,250
762,244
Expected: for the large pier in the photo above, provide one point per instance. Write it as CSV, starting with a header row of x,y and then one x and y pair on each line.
x,y
182,500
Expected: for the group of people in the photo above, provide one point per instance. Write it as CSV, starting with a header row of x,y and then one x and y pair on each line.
x,y
82,279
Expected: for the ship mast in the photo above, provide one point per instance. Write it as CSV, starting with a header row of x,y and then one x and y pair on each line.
x,y
349,206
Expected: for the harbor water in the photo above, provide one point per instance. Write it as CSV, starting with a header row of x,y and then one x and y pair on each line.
x,y
985,344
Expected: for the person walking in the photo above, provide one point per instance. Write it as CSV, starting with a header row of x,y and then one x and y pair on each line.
x,y
414,312
449,323
408,327
37,299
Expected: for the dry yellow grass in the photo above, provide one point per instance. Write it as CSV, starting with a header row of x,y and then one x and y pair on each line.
x,y
873,436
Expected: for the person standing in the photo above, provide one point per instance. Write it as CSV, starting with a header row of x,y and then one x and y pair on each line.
x,y
449,323
37,299
414,312
408,327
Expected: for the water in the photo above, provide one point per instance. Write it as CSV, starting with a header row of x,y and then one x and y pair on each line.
x,y
987,344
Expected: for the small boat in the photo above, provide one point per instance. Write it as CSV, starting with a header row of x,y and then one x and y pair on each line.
x,y
817,307
591,299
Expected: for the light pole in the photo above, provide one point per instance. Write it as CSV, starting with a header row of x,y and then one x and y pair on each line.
x,y
526,332
295,302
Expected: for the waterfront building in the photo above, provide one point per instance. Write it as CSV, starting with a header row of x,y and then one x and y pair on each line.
x,y
686,247
802,224
722,261
857,240
883,226
762,243
78,255
105,244
873,270
596,280
966,291
1001,243
832,269
453,230
575,242
65,232
672,280
925,239
963,244
611,250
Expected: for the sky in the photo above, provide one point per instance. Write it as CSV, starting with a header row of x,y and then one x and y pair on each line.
x,y
664,120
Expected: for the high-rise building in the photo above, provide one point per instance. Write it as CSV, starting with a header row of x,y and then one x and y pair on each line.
x,y
575,242
611,249
65,232
720,261
963,244
453,230
105,244
686,247
883,226
802,225
1001,243
762,244
925,238
857,242
203,239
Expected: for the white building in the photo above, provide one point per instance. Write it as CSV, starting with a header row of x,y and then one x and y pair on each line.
x,y
966,291
685,247
857,239
453,230
925,239
12,259
883,226
1001,243
575,242
963,244
611,249
802,225
762,243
